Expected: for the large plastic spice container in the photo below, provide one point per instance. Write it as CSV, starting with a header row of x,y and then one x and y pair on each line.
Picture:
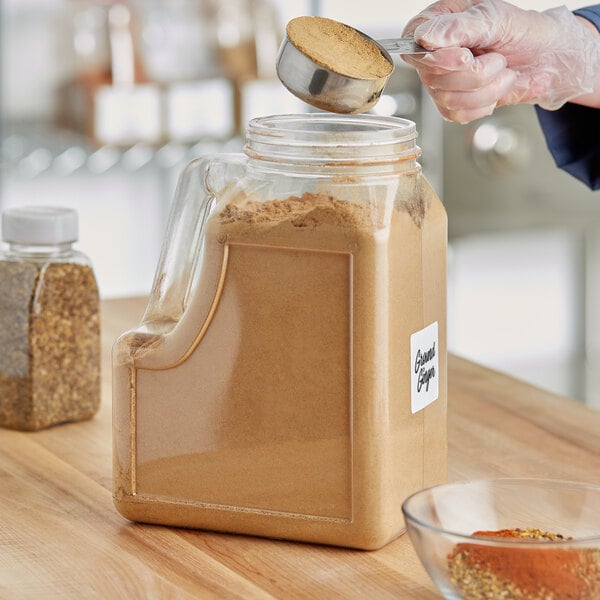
x,y
289,376
49,321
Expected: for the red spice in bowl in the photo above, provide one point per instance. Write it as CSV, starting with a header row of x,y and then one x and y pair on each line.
x,y
530,573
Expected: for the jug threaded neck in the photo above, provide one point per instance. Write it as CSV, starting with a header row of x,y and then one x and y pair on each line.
x,y
322,139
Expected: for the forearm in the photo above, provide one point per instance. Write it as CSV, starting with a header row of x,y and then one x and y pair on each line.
x,y
593,98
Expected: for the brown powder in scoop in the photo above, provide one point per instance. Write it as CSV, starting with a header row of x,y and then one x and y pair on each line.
x,y
338,47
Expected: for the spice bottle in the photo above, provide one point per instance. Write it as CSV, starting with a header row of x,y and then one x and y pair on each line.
x,y
289,376
49,321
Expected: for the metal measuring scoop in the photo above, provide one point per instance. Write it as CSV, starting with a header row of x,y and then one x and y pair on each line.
x,y
334,92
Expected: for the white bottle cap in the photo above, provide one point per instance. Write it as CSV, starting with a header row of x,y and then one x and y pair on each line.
x,y
40,225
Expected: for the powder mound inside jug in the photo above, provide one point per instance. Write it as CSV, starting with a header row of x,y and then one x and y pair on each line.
x,y
308,210
337,47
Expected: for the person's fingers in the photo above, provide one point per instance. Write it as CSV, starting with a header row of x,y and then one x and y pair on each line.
x,y
475,27
465,106
469,99
464,116
433,10
441,61
527,88
479,73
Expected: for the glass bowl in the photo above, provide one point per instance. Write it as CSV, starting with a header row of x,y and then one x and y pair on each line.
x,y
555,557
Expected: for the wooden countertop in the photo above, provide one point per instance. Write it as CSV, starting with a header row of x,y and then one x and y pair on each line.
x,y
60,536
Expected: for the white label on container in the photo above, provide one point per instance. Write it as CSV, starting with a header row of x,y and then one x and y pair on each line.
x,y
425,373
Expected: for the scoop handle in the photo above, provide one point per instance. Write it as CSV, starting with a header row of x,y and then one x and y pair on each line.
x,y
404,45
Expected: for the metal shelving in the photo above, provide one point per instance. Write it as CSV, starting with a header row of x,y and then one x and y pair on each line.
x,y
30,150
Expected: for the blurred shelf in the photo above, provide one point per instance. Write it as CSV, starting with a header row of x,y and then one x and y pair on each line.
x,y
32,149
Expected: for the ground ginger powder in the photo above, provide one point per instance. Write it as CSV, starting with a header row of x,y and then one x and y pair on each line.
x,y
338,47
280,403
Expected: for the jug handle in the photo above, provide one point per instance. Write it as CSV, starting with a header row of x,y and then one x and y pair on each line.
x,y
180,259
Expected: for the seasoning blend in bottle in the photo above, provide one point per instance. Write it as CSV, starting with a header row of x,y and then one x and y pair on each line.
x,y
49,321
289,376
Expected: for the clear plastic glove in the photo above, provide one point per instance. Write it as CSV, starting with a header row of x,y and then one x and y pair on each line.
x,y
488,53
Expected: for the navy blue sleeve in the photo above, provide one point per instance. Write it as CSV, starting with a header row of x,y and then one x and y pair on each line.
x,y
573,131
591,13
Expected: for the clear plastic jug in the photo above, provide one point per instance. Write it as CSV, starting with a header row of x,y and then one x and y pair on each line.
x,y
289,376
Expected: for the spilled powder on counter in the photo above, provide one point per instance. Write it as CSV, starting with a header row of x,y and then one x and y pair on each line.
x,y
338,47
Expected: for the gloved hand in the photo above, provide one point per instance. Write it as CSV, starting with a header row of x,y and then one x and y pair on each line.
x,y
489,53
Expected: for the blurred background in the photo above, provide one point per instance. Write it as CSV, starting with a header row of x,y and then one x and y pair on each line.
x,y
104,102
